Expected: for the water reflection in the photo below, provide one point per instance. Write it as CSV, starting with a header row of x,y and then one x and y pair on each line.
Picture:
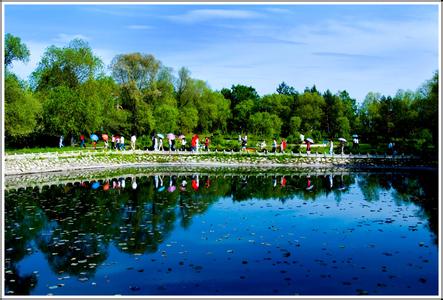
x,y
74,226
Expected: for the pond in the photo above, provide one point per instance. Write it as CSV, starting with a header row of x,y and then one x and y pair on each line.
x,y
172,233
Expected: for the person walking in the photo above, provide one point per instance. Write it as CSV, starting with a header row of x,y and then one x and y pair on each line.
x,y
160,145
155,143
308,147
183,148
117,142
342,148
60,142
274,145
105,140
133,139
197,144
112,142
207,144
170,144
331,147
82,141
283,145
122,143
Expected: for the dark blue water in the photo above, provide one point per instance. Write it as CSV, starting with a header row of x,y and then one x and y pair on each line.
x,y
328,234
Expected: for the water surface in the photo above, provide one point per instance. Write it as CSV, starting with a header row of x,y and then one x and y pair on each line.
x,y
190,234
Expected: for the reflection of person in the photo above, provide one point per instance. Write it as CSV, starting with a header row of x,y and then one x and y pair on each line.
x,y
309,185
134,183
331,180
283,181
195,183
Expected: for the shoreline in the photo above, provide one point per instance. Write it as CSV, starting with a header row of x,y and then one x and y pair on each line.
x,y
42,163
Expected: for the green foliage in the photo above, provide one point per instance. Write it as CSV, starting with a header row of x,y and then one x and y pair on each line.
x,y
166,116
310,107
15,50
265,124
68,66
22,109
188,119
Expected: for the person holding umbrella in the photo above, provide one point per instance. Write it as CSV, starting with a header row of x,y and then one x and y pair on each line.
x,y
309,141
171,138
160,141
105,139
331,147
343,142
274,145
94,139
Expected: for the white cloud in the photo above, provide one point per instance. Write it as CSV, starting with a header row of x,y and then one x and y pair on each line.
x,y
201,15
139,27
66,38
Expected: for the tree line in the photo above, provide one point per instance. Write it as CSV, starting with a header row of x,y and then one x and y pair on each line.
x,y
70,93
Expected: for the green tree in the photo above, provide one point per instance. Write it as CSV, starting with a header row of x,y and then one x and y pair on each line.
x,y
166,117
284,89
264,124
68,66
22,109
309,108
15,50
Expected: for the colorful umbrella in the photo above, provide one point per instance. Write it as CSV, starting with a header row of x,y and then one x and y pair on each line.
x,y
161,189
95,185
105,137
160,135
355,135
310,140
171,188
170,136
181,136
94,137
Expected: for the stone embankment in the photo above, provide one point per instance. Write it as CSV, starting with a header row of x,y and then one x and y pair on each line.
x,y
16,164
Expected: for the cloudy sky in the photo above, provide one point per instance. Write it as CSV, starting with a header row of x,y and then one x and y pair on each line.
x,y
360,48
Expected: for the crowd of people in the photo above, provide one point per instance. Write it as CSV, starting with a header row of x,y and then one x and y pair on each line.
x,y
179,143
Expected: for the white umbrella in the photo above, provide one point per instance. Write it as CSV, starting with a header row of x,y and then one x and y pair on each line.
x,y
342,140
310,140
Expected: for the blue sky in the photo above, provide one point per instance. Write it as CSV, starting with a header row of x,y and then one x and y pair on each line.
x,y
360,48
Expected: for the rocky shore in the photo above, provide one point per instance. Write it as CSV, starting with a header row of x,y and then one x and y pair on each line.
x,y
16,164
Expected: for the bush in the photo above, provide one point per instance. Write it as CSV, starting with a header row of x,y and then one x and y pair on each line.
x,y
144,142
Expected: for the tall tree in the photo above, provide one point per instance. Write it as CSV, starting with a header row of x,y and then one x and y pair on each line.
x,y
68,66
15,50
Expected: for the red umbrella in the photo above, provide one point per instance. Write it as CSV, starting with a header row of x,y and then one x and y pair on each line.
x,y
105,137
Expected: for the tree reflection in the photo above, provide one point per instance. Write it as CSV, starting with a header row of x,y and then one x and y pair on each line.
x,y
74,225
